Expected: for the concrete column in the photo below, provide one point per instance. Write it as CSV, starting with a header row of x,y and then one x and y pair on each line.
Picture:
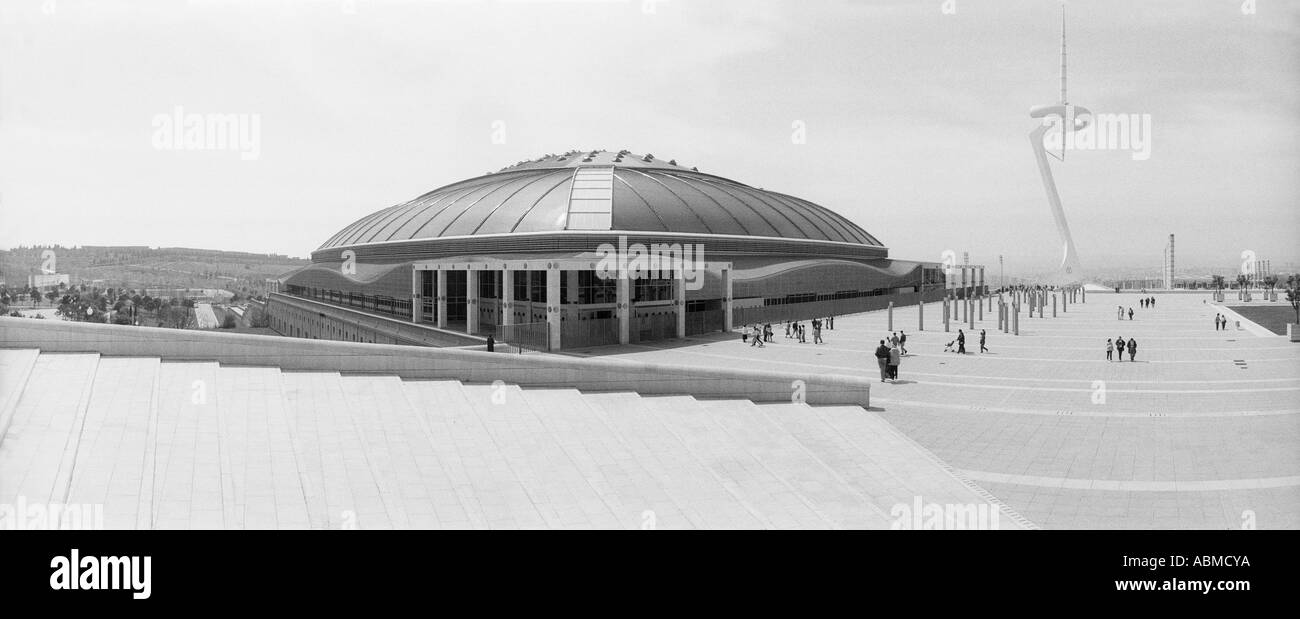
x,y
1053,305
623,308
1083,295
679,302
1015,322
1065,302
947,315
441,274
507,297
553,308
471,301
970,313
416,305
920,314
965,306
890,313
981,302
728,313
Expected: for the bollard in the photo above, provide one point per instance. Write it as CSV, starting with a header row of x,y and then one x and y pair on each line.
x,y
1053,306
890,312
1015,323
1064,303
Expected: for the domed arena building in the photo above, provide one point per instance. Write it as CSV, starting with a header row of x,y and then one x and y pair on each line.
x,y
593,248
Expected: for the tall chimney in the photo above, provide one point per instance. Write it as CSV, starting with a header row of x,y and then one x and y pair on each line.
x,y
1170,278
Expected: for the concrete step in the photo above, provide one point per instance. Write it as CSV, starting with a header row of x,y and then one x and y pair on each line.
x,y
109,456
878,459
706,499
262,491
186,490
15,367
801,468
44,426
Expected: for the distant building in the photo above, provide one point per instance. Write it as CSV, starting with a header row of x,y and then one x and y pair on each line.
x,y
526,248
210,295
47,280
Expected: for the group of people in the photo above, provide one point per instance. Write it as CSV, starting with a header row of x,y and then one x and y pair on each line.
x,y
1144,303
961,343
799,331
1220,322
1120,345
757,334
888,357
761,335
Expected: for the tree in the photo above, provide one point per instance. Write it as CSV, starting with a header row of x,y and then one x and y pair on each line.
x,y
228,322
257,317
1218,282
1293,294
175,317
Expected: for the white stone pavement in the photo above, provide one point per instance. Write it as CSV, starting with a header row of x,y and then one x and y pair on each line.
x,y
174,445
1202,431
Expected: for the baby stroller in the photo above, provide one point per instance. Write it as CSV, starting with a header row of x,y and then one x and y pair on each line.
x,y
949,346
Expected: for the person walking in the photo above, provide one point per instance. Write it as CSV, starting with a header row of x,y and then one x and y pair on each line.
x,y
983,335
882,359
744,335
767,332
961,342
817,332
893,339
1110,348
757,338
1119,345
1153,302
1130,313
895,356
902,342
787,329
1121,312
1132,349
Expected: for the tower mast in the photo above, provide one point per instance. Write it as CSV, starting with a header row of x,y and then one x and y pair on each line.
x,y
1064,101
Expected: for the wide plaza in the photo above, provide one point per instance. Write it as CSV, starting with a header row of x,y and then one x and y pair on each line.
x,y
1199,432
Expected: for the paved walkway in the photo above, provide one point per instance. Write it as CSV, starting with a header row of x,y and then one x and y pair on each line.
x,y
1202,431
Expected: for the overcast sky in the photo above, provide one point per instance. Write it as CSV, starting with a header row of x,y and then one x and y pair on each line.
x,y
916,119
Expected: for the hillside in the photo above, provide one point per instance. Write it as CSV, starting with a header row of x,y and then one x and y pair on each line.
x,y
141,267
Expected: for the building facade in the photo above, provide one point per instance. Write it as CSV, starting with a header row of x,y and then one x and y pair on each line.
x,y
595,248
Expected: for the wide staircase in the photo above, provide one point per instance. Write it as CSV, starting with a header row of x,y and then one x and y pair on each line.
x,y
162,445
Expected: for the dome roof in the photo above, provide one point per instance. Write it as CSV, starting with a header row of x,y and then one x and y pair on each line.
x,y
600,190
